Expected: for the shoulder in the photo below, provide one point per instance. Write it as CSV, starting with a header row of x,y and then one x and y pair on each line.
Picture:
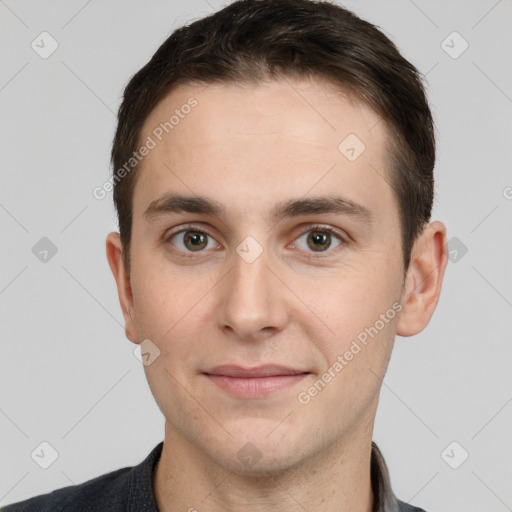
x,y
107,492
128,488
405,507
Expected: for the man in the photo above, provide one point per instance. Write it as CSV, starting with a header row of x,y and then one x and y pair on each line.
x,y
273,178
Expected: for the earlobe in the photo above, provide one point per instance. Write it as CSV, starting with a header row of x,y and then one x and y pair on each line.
x,y
114,249
423,280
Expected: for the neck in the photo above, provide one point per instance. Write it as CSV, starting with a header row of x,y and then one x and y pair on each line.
x,y
336,480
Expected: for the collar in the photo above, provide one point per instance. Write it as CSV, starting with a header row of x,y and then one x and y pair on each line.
x,y
142,499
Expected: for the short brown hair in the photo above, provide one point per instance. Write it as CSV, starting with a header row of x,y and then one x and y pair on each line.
x,y
254,40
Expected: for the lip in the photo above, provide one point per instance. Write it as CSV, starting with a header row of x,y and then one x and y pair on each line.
x,y
267,370
257,382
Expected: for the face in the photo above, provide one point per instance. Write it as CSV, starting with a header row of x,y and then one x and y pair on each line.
x,y
273,301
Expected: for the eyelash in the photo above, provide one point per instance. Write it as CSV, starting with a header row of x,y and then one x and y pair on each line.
x,y
322,229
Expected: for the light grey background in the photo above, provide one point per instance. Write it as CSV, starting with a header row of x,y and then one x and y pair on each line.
x,y
68,375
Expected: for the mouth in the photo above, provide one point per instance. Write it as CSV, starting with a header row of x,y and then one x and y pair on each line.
x,y
257,382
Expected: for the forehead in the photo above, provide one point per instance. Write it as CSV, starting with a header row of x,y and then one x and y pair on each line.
x,y
265,140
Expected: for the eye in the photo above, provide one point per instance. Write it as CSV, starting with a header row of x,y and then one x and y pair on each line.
x,y
192,240
319,239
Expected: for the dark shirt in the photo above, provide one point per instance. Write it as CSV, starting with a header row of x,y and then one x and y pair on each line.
x,y
130,489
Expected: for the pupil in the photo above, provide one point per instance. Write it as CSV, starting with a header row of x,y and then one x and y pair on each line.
x,y
320,240
196,239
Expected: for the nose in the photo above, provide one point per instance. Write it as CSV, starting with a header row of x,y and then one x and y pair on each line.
x,y
253,303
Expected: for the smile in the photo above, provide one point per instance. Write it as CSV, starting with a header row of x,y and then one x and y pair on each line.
x,y
254,382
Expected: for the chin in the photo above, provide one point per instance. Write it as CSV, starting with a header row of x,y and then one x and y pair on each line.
x,y
262,455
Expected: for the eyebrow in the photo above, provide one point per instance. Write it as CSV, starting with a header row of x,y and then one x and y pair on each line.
x,y
169,204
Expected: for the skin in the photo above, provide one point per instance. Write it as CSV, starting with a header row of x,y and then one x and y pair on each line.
x,y
250,147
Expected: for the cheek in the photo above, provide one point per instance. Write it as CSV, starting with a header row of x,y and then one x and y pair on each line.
x,y
352,299
165,299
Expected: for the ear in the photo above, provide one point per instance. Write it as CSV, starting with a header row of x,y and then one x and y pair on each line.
x,y
423,280
115,260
